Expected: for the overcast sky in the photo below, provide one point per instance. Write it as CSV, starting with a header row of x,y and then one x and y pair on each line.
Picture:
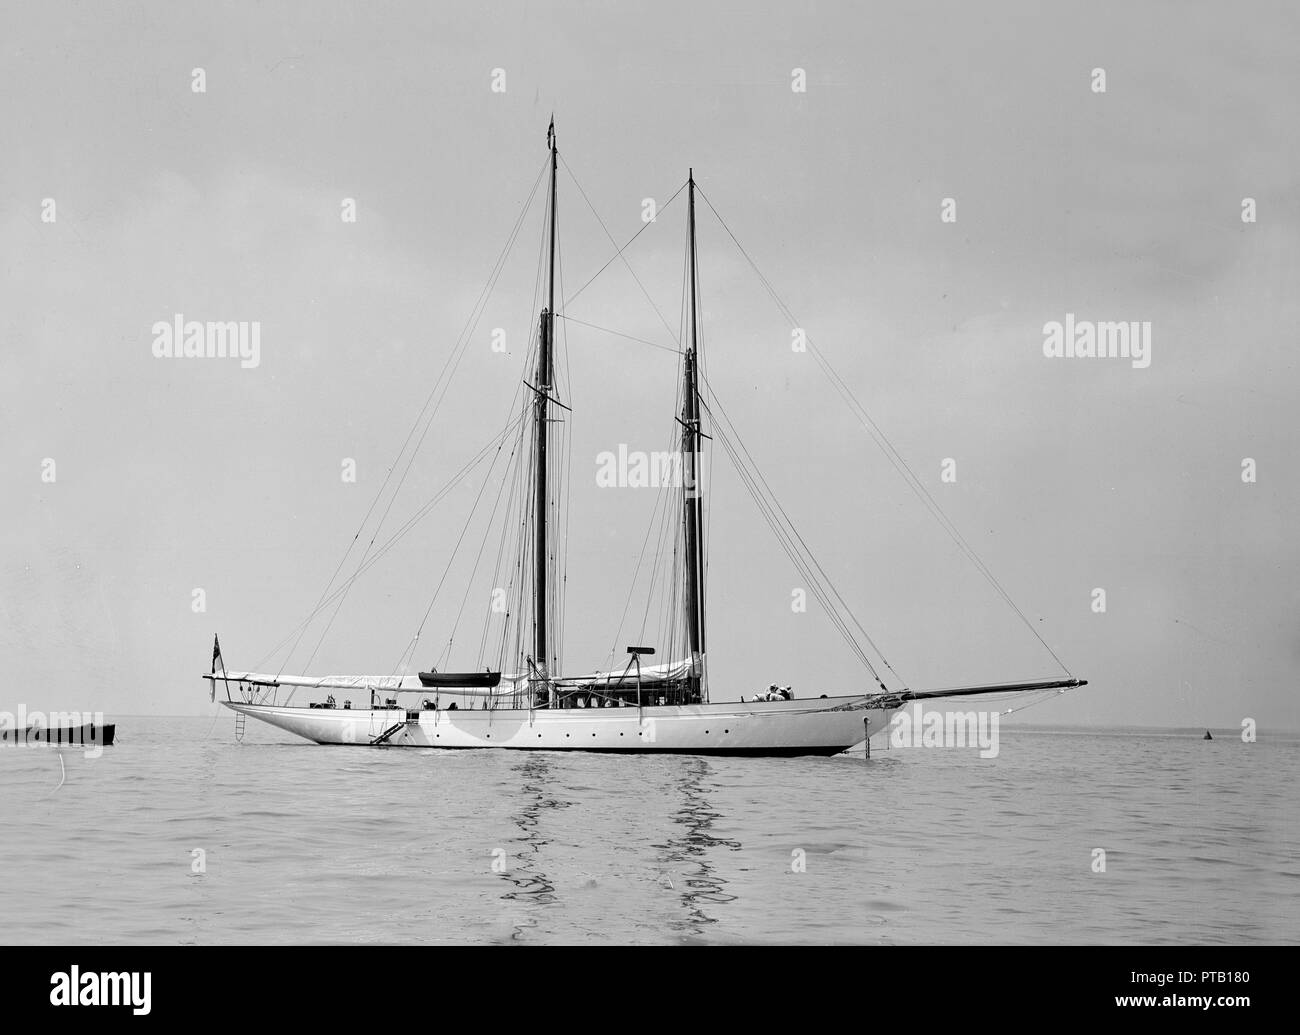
x,y
1072,474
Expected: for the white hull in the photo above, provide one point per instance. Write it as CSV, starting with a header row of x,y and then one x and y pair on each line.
x,y
824,726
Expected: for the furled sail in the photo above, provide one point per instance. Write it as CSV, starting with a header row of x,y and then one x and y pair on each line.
x,y
664,672
510,683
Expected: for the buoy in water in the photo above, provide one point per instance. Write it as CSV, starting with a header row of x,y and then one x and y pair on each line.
x,y
1207,736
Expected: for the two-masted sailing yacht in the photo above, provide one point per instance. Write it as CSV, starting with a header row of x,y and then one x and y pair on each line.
x,y
665,707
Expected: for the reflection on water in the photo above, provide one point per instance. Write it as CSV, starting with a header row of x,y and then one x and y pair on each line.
x,y
689,852
523,869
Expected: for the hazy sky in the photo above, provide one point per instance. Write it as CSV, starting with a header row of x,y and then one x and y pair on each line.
x,y
1072,474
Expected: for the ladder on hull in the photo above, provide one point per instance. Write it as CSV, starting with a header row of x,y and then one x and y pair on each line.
x,y
409,718
241,720
384,721
387,735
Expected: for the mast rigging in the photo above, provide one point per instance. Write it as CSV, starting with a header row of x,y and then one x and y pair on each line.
x,y
541,432
692,492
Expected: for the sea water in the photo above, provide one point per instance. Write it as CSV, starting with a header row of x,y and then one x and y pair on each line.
x,y
179,834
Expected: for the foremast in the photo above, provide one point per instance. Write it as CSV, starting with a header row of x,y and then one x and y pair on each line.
x,y
542,652
692,487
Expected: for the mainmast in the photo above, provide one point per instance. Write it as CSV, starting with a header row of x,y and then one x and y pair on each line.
x,y
693,495
541,430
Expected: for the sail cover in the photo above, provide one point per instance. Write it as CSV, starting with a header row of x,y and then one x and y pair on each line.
x,y
665,672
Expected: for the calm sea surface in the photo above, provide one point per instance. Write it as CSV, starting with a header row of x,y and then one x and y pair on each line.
x,y
332,844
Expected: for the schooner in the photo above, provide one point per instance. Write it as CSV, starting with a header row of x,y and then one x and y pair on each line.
x,y
663,707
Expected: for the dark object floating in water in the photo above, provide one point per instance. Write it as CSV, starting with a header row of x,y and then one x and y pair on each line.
x,y
474,679
86,734
1207,736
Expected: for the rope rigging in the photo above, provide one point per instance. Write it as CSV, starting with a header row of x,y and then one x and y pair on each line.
x,y
886,446
520,481
788,537
423,511
666,519
619,254
443,380
450,560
